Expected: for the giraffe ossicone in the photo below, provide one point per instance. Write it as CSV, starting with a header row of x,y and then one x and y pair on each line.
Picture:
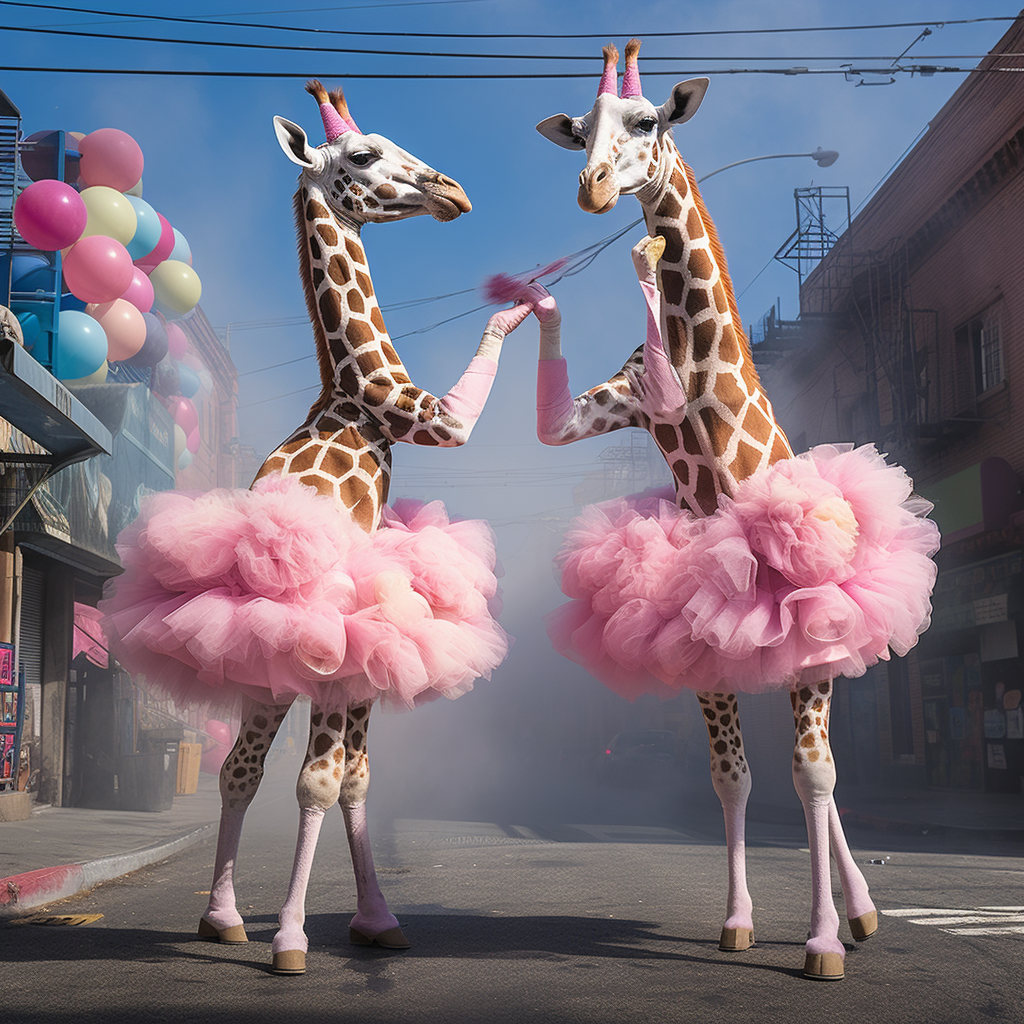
x,y
309,583
756,570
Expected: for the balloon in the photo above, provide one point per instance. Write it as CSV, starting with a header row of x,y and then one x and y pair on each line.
x,y
135,190
148,228
181,250
38,154
164,379
192,441
81,346
110,214
177,341
123,325
110,157
185,459
99,377
50,215
188,381
184,414
154,348
30,329
140,292
98,269
162,249
176,285
32,274
180,440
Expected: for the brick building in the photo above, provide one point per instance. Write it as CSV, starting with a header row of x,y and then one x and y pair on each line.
x,y
911,336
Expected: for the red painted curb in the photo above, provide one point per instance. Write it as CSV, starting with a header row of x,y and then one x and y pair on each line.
x,y
33,887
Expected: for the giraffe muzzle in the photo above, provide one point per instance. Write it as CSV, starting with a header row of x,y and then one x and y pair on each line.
x,y
446,198
599,188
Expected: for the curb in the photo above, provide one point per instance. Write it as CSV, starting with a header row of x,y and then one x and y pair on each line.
x,y
32,889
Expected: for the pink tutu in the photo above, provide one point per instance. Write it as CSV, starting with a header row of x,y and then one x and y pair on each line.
x,y
815,569
272,593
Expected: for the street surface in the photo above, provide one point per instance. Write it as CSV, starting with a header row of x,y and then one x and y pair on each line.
x,y
613,921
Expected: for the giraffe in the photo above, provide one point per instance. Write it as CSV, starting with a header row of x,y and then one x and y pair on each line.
x,y
694,387
342,455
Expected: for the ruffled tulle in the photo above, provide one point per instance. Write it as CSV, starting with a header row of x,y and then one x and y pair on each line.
x,y
272,593
816,568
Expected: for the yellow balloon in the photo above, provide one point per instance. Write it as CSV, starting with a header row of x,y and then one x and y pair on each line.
x,y
179,441
110,214
99,377
176,285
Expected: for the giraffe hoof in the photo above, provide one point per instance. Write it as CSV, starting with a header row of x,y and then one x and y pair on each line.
x,y
392,938
734,940
823,966
289,961
865,926
233,936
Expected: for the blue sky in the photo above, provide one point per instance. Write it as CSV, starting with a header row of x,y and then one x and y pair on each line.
x,y
214,169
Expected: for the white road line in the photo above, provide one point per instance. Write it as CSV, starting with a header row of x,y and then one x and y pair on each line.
x,y
995,921
1012,930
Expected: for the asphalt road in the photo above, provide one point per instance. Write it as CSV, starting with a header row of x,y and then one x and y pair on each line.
x,y
520,921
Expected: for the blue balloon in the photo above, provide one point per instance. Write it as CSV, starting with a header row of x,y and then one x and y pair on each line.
x,y
181,250
188,381
81,346
154,348
147,231
30,328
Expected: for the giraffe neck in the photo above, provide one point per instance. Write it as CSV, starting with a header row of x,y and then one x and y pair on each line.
x,y
352,340
730,430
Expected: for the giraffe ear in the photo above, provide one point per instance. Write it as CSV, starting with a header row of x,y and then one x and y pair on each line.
x,y
558,128
683,103
295,145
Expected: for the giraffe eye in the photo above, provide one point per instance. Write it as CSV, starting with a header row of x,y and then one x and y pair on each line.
x,y
647,124
362,158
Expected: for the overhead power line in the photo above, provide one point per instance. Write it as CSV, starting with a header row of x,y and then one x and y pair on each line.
x,y
362,51
924,70
133,16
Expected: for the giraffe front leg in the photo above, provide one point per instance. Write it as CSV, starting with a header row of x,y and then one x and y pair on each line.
x,y
240,777
814,778
317,789
373,924
730,775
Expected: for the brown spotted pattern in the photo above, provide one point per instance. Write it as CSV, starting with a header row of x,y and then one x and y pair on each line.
x,y
722,720
810,713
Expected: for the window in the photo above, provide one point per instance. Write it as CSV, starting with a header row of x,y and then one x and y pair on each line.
x,y
981,341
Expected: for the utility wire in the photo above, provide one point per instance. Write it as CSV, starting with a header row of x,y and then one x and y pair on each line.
x,y
509,35
925,70
285,48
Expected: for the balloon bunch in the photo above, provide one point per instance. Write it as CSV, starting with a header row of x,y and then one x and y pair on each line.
x,y
127,272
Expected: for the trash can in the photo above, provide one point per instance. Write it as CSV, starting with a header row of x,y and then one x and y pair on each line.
x,y
146,782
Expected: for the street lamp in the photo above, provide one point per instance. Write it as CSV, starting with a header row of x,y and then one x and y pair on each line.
x,y
822,157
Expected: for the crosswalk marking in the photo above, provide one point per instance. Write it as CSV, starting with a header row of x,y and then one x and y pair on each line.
x,y
965,921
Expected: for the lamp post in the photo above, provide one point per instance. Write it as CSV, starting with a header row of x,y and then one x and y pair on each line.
x,y
822,157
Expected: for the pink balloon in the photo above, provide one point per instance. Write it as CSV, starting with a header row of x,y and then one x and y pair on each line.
x,y
50,215
123,325
140,292
162,249
177,341
192,441
97,269
184,414
110,157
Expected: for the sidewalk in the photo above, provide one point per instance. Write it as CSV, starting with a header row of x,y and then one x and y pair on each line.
x,y
61,851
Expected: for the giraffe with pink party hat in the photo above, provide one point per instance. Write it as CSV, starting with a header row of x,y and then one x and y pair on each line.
x,y
309,583
756,570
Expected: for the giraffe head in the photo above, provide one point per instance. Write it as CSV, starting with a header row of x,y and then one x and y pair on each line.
x,y
622,133
367,178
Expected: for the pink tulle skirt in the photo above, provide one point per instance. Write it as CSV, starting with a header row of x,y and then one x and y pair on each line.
x,y
272,593
816,568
